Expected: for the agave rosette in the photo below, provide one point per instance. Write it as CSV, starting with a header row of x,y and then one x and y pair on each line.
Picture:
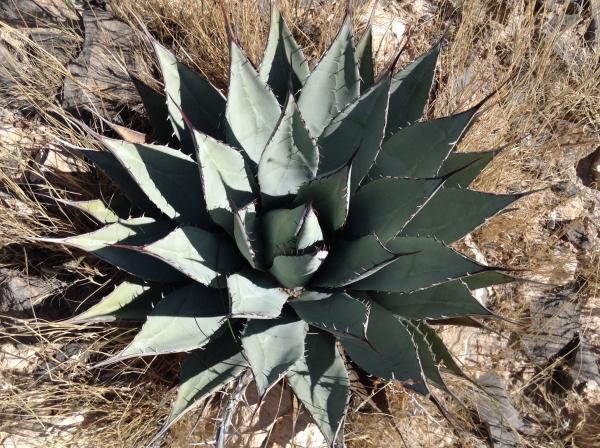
x,y
298,222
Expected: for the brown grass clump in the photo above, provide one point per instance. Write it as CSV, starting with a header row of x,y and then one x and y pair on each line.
x,y
546,110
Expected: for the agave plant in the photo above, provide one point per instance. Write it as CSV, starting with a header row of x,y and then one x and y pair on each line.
x,y
295,224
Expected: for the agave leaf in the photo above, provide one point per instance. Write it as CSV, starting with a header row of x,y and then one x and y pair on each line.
x,y
364,57
122,179
334,83
362,121
420,149
205,371
487,278
294,271
449,299
290,158
383,206
454,212
130,300
199,254
310,232
440,352
390,354
225,179
410,91
252,110
282,56
96,208
192,94
427,360
466,167
427,263
245,233
329,195
184,320
320,380
131,232
255,296
168,177
340,314
272,347
155,105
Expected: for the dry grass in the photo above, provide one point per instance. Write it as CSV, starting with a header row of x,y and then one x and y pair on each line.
x,y
548,109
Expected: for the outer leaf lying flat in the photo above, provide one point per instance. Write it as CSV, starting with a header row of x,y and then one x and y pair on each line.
x,y
294,271
488,278
96,208
225,178
199,254
340,314
255,296
428,363
440,352
291,157
364,57
155,105
190,93
281,55
453,212
252,110
433,263
334,83
329,196
472,163
168,177
121,178
449,299
117,303
410,91
420,149
320,381
272,347
361,123
205,371
390,353
184,320
352,261
131,232
245,232
383,206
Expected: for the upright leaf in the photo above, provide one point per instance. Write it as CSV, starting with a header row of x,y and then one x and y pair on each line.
x,y
361,123
246,235
272,347
282,56
252,110
255,296
291,157
294,271
320,380
188,92
155,105
410,91
184,320
364,57
333,84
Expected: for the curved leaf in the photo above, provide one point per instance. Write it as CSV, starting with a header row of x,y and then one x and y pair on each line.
x,y
449,299
310,231
255,296
440,352
281,56
272,347
320,380
245,232
429,365
364,57
290,158
333,83
487,278
472,163
155,105
294,271
252,110
96,208
184,320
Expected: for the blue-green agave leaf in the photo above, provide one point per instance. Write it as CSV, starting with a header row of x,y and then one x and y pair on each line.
x,y
155,105
246,235
334,83
361,122
466,166
184,320
290,158
443,358
488,278
449,299
95,208
252,110
310,232
189,93
429,366
294,271
282,56
410,91
454,212
383,206
255,296
320,380
364,57
272,347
